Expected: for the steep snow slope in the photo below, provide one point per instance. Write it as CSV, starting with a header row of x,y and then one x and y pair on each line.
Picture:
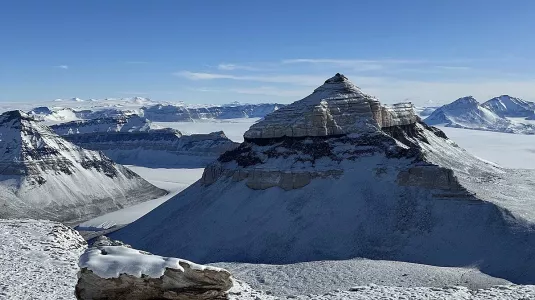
x,y
467,113
507,106
45,176
396,190
39,260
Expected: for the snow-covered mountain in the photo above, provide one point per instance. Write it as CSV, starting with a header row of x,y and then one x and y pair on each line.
x,y
181,113
121,123
67,110
44,176
59,114
337,175
507,106
467,113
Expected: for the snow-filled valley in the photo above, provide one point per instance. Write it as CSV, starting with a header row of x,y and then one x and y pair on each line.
x,y
172,180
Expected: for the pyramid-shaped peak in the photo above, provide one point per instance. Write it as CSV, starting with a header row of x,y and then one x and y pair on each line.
x,y
337,78
465,101
338,85
337,107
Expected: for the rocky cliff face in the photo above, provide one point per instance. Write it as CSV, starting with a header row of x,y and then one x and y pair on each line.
x,y
44,176
179,113
337,107
337,175
157,147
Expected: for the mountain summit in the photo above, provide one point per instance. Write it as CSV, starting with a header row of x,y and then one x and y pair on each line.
x,y
337,107
507,106
338,175
43,176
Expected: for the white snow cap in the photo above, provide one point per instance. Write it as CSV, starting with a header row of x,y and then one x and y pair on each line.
x,y
112,261
336,107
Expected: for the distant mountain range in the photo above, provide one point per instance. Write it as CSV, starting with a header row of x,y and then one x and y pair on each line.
x,y
134,140
500,114
77,109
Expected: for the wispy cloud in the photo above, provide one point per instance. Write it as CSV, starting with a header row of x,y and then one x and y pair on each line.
x,y
349,62
232,67
307,80
64,67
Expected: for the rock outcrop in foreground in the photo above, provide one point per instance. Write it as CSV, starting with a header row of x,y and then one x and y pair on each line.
x,y
114,271
336,176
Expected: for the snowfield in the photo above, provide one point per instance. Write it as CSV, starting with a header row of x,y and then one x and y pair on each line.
x,y
242,291
507,150
233,128
320,277
38,260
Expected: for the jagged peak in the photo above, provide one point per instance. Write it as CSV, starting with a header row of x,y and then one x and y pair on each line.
x,y
467,100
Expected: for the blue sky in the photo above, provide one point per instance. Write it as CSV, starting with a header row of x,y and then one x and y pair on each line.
x,y
265,51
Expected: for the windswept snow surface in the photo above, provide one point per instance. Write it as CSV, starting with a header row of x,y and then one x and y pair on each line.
x,y
242,291
319,277
38,260
172,180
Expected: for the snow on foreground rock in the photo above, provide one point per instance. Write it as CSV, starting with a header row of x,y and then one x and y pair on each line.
x,y
112,270
43,176
38,260
393,189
